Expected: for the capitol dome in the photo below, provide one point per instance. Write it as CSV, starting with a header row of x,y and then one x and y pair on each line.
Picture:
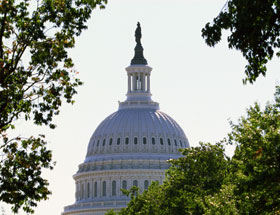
x,y
139,131
129,148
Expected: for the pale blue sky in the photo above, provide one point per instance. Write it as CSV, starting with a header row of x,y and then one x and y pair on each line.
x,y
200,87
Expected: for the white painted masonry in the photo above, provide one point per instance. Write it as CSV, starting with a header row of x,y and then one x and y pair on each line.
x,y
131,146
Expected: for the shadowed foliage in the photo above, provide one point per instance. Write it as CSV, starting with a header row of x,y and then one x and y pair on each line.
x,y
36,76
205,181
255,31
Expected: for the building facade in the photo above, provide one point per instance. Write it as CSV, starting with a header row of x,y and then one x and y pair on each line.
x,y
129,148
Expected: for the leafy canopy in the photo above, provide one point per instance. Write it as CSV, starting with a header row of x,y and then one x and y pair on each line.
x,y
255,31
36,75
256,167
205,181
189,181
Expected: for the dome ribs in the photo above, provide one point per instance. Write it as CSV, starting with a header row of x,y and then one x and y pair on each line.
x,y
137,123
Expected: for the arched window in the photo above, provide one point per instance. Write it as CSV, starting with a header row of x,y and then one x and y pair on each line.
x,y
175,142
114,188
146,184
135,183
111,141
104,141
97,142
168,141
126,140
135,140
88,190
161,141
124,185
95,189
153,141
144,140
104,188
119,141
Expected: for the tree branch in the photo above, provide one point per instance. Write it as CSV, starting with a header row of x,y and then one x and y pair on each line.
x,y
2,32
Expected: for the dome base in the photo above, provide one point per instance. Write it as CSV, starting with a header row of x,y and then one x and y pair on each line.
x,y
94,208
103,191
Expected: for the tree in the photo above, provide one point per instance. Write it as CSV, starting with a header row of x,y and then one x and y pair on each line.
x,y
36,75
255,31
190,179
149,202
256,166
205,181
189,182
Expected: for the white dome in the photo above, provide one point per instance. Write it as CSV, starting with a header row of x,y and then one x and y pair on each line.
x,y
129,148
136,130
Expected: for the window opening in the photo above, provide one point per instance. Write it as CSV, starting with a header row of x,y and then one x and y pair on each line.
x,y
111,141
95,189
82,191
144,140
104,188
126,140
124,186
135,140
146,184
161,141
153,141
114,188
88,189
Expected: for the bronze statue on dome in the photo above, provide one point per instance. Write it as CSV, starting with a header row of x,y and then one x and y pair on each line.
x,y
138,34
138,56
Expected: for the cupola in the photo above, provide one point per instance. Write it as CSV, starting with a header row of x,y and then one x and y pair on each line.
x,y
138,79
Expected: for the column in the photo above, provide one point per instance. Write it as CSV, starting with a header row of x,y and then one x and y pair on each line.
x,y
134,82
83,190
148,89
144,82
92,189
129,83
119,186
139,81
77,192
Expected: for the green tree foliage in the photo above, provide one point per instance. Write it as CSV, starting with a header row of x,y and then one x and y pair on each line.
x,y
205,181
189,181
36,75
256,163
201,172
149,202
255,31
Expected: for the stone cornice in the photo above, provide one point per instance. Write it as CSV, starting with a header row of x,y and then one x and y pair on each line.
x,y
117,173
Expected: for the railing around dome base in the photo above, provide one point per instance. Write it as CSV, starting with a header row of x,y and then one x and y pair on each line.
x,y
103,205
138,104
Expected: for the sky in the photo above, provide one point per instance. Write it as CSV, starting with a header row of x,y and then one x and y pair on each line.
x,y
198,86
